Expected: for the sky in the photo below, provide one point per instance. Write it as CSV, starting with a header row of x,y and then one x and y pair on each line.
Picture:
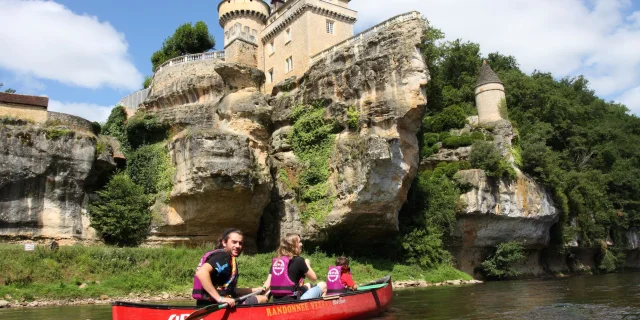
x,y
86,55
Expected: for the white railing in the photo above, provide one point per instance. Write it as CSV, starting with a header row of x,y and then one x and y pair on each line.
x,y
193,57
366,34
135,99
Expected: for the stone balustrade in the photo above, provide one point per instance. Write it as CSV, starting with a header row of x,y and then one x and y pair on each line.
x,y
192,57
366,34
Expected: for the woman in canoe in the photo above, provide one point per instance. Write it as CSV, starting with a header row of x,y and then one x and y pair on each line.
x,y
217,274
288,271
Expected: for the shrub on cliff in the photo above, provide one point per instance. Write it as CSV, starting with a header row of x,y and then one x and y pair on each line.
x,y
502,262
120,214
115,126
486,156
150,167
453,117
144,128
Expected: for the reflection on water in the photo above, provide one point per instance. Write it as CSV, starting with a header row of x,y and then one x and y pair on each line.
x,y
615,296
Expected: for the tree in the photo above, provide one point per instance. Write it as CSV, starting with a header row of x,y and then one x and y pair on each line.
x,y
147,82
120,215
187,39
8,90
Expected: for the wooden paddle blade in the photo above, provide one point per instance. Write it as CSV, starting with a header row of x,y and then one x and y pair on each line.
x,y
200,313
372,287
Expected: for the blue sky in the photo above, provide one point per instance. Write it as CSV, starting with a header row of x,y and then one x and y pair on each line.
x,y
86,55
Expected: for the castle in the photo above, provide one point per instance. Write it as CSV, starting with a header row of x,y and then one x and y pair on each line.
x,y
281,38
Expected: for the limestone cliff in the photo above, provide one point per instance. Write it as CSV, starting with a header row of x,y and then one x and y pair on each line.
x,y
46,172
233,141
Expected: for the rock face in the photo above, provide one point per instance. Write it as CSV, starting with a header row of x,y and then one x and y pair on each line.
x,y
234,146
383,77
497,210
45,174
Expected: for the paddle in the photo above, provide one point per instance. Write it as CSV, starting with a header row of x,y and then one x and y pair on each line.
x,y
382,280
372,286
198,314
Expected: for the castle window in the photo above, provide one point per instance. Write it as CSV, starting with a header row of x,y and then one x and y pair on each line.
x,y
270,76
272,48
246,30
288,35
289,64
329,27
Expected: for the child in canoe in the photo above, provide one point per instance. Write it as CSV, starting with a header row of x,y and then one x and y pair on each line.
x,y
339,278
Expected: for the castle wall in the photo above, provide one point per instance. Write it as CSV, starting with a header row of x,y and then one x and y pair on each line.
x,y
320,39
240,51
254,24
488,98
36,114
297,48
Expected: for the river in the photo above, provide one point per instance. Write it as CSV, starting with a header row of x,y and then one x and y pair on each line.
x,y
614,296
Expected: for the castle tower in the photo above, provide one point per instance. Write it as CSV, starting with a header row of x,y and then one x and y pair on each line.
x,y
489,95
242,22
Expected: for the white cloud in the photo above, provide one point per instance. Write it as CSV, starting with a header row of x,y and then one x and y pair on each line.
x,y
46,40
89,111
597,38
631,98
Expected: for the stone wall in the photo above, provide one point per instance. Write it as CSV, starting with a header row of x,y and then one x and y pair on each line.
x,y
58,118
488,99
35,114
240,51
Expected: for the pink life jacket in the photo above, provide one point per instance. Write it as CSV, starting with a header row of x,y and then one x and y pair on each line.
x,y
334,282
281,284
226,289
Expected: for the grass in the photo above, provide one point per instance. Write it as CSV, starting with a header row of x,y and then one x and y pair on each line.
x,y
116,272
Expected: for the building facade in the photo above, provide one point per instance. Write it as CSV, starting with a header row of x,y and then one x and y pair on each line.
x,y
281,37
490,95
18,106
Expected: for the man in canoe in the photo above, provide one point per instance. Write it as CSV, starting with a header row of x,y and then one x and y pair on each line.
x,y
288,271
217,274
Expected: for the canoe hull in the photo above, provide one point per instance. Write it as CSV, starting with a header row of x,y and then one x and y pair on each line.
x,y
357,305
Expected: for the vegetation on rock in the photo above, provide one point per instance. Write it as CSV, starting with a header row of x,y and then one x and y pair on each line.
x,y
150,167
115,126
501,264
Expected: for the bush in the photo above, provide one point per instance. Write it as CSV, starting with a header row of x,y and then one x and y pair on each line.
x,y
97,128
501,263
486,156
453,117
150,167
144,128
353,118
115,126
120,214
454,142
425,248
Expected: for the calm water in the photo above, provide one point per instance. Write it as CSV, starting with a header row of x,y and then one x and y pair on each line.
x,y
615,296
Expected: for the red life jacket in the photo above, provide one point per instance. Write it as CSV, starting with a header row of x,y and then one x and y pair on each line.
x,y
226,289
281,284
334,281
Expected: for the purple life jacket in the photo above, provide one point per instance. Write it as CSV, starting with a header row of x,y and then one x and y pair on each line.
x,y
226,289
334,283
281,285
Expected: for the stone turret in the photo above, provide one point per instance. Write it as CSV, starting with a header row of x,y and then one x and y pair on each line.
x,y
242,22
489,95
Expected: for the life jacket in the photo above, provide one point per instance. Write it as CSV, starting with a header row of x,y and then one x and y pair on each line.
x,y
334,282
226,289
281,284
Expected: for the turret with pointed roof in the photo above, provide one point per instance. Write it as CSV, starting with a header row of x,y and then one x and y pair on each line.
x,y
489,95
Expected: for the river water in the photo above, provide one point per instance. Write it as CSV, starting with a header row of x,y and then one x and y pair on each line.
x,y
614,296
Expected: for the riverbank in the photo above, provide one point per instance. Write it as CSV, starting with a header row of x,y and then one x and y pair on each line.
x,y
98,274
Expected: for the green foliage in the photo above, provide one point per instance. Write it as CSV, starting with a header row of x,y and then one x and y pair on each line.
x,y
187,39
611,259
503,110
53,133
453,117
454,142
96,127
120,214
147,82
501,263
353,121
144,128
486,156
115,126
151,168
425,248
313,140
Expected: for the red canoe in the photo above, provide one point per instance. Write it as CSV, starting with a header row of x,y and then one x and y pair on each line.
x,y
352,305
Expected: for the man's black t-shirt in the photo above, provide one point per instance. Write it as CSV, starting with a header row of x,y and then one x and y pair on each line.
x,y
222,269
297,269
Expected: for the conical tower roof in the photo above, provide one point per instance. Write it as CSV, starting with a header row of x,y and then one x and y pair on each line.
x,y
487,75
